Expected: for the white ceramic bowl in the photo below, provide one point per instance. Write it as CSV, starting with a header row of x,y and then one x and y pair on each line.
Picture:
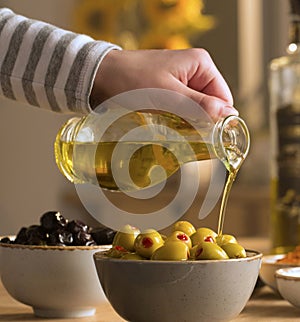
x,y
203,290
55,281
288,283
268,268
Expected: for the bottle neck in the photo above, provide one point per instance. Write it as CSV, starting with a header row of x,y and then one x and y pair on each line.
x,y
294,35
294,28
231,141
69,131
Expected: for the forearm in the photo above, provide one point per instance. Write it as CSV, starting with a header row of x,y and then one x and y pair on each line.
x,y
46,66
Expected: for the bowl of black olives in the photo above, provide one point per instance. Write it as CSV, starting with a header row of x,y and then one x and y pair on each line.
x,y
192,274
49,266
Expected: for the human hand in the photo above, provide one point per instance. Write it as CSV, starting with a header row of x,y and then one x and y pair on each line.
x,y
190,72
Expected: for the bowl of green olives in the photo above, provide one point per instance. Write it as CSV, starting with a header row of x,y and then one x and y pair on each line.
x,y
50,266
190,275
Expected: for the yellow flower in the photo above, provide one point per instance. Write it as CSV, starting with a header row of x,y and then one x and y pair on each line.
x,y
177,42
154,40
172,14
99,19
142,23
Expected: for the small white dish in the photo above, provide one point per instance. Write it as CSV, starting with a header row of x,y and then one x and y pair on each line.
x,y
288,284
269,266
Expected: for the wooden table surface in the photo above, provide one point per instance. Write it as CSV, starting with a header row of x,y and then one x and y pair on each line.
x,y
11,310
264,305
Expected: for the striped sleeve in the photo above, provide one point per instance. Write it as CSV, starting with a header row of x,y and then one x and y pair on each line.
x,y
46,66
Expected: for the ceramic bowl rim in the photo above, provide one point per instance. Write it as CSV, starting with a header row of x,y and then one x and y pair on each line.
x,y
282,273
273,258
272,261
100,256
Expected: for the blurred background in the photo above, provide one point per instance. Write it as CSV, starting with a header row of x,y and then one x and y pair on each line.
x,y
241,36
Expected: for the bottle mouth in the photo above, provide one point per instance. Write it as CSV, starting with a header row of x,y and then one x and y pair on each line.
x,y
231,141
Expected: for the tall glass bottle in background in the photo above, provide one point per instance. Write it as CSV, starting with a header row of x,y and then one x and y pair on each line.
x,y
284,85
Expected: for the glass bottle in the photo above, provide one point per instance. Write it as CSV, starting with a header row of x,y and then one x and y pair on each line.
x,y
284,87
123,149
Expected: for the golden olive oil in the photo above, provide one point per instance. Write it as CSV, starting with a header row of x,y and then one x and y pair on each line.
x,y
233,164
95,163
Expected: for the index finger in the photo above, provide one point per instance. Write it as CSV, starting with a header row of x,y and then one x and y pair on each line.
x,y
207,79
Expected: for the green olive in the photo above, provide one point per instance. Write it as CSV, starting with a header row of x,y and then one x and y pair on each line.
x,y
132,256
172,251
234,250
203,234
180,236
208,250
164,237
225,239
116,252
147,242
185,242
193,252
126,237
185,227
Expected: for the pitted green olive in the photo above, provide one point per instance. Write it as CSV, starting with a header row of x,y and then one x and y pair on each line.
x,y
180,236
203,234
147,242
234,250
185,227
116,252
208,250
172,251
203,244
126,237
225,239
193,252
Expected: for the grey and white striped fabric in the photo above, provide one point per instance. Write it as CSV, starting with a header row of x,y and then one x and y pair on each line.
x,y
46,66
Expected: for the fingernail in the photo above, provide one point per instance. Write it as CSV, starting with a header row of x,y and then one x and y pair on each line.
x,y
231,110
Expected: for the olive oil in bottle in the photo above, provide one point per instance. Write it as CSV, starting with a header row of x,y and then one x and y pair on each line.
x,y
129,165
145,157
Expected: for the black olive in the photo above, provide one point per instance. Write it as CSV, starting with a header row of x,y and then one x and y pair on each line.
x,y
75,226
91,243
36,235
5,240
21,237
60,237
83,238
52,220
103,235
55,230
